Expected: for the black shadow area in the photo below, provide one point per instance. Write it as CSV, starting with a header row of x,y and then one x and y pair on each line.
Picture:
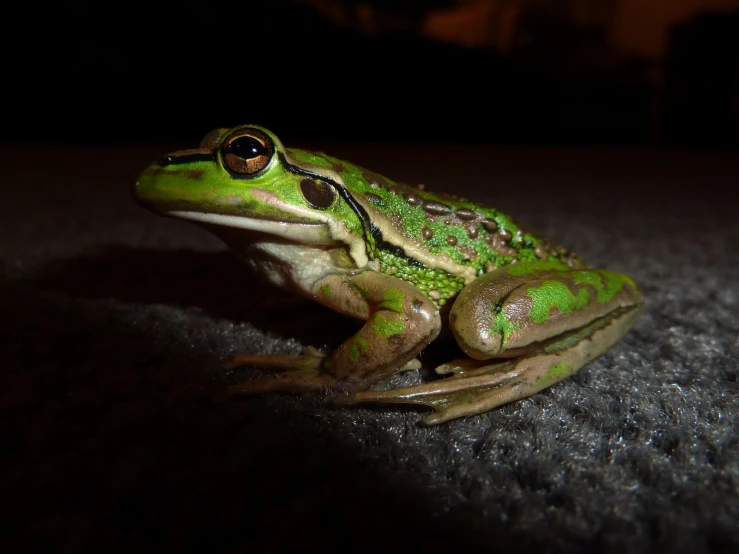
x,y
215,283
112,440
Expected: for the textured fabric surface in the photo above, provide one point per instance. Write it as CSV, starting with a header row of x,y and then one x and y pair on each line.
x,y
115,323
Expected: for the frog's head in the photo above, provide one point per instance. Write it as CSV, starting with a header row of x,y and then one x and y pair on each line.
x,y
244,179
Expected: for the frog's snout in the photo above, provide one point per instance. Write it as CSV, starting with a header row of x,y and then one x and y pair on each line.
x,y
145,186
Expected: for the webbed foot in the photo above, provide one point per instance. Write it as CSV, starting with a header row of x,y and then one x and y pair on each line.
x,y
462,394
298,373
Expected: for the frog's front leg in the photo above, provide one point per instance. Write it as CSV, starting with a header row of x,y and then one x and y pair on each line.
x,y
525,327
399,322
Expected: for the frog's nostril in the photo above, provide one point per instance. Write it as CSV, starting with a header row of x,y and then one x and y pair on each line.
x,y
164,160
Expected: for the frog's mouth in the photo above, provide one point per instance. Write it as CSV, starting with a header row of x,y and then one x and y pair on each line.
x,y
304,233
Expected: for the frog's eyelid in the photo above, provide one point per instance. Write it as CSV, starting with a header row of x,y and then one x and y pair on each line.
x,y
212,139
256,134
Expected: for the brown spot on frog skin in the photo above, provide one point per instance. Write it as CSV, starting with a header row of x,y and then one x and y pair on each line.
x,y
568,257
436,208
505,235
434,294
472,232
490,225
451,240
338,167
465,214
378,181
500,246
411,198
427,232
397,342
469,253
540,251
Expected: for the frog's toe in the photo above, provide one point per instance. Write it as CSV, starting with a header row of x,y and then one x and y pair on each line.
x,y
468,366
296,381
482,388
412,365
311,358
313,352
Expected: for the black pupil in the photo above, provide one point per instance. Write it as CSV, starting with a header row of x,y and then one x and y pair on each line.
x,y
247,148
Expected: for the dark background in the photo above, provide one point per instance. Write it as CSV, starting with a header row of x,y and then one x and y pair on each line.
x,y
529,71
610,126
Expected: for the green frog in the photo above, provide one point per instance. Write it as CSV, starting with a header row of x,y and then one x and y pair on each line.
x,y
408,264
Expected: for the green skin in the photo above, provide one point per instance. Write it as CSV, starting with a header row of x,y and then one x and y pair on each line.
x,y
407,263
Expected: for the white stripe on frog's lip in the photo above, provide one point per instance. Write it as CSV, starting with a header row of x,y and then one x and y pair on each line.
x,y
305,233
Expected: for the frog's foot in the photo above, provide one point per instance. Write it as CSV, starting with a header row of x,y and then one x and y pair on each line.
x,y
311,358
477,389
299,374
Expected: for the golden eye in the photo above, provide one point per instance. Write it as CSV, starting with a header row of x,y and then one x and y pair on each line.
x,y
248,152
319,195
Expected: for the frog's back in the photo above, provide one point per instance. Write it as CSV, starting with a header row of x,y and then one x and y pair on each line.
x,y
468,232
475,237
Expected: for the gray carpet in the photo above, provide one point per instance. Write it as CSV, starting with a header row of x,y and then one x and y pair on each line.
x,y
114,325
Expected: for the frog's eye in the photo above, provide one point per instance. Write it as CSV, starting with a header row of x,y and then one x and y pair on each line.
x,y
247,153
319,195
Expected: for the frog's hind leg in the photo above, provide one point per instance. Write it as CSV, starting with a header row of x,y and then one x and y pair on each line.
x,y
527,327
477,387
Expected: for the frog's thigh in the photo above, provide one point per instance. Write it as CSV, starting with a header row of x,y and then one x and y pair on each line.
x,y
505,314
399,322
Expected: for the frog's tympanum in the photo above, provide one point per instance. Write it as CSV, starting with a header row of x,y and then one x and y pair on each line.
x,y
406,263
